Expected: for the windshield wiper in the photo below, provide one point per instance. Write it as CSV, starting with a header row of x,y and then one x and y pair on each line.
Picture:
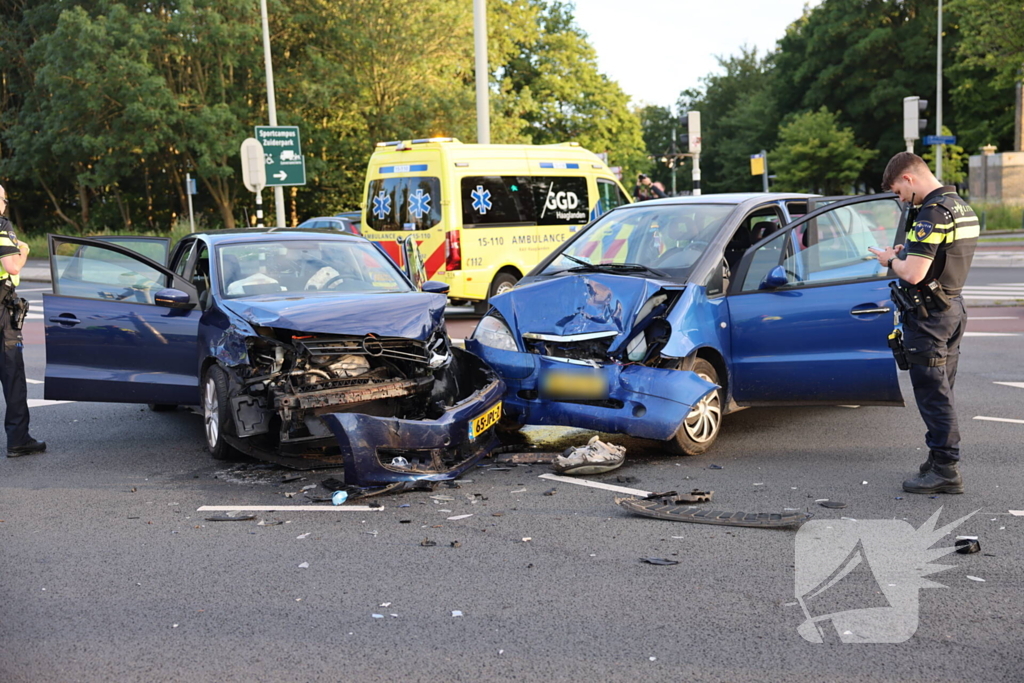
x,y
617,268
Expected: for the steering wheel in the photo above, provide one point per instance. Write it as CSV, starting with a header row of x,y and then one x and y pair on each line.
x,y
336,278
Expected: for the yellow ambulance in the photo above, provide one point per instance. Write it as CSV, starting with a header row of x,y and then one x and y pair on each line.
x,y
482,215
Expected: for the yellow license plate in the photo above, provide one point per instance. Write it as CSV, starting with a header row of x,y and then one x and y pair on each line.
x,y
479,425
573,385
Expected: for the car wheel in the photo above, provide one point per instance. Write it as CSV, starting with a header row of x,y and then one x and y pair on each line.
x,y
502,282
162,407
215,414
701,427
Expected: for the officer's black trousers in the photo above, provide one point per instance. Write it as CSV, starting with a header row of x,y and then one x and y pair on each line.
x,y
12,375
937,336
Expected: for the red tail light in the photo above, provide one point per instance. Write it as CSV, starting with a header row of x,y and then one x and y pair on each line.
x,y
452,251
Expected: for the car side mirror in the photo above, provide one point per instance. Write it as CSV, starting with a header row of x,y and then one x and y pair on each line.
x,y
775,279
435,287
173,298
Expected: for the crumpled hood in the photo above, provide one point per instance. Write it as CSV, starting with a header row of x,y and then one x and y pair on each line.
x,y
412,315
577,304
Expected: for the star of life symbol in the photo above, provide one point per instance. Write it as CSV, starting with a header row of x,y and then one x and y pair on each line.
x,y
864,577
419,204
381,205
481,200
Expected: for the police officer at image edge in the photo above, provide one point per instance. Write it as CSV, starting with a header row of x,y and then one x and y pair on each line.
x,y
932,266
13,255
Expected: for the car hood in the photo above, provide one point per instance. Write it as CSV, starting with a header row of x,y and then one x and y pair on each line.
x,y
412,315
579,304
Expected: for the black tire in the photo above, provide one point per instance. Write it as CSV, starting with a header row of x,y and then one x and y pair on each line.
x,y
501,283
702,426
163,407
216,421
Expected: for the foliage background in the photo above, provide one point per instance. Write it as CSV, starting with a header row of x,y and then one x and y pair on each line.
x,y
106,105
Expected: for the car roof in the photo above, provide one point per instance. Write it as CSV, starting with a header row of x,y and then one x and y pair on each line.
x,y
276,235
725,198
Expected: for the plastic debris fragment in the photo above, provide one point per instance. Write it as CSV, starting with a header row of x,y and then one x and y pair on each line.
x,y
594,458
659,560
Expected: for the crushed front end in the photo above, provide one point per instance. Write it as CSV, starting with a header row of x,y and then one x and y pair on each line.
x,y
386,408
586,351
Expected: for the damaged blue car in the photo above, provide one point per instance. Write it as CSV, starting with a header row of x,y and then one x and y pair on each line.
x,y
663,316
302,348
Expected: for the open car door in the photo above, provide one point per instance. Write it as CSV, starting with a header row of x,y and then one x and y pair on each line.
x,y
810,309
120,327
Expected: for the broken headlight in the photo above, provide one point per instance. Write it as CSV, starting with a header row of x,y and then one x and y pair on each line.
x,y
492,331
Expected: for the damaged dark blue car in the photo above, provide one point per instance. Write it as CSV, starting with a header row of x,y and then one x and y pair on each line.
x,y
663,316
302,348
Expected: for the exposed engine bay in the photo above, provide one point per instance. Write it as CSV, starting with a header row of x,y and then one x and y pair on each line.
x,y
294,378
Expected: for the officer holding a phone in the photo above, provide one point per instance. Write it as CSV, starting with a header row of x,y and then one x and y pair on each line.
x,y
942,234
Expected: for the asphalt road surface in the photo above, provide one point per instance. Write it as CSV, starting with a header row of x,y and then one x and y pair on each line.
x,y
109,573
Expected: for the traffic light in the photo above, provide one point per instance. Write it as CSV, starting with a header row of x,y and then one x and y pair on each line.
x,y
913,124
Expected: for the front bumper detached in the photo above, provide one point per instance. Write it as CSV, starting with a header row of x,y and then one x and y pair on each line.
x,y
432,450
645,402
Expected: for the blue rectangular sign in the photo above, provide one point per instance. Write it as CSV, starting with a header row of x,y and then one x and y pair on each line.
x,y
939,140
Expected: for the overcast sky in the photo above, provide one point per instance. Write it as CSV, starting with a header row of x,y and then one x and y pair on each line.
x,y
657,48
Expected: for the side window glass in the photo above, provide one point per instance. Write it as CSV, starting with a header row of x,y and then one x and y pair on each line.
x,y
497,200
182,256
560,201
201,275
834,246
94,272
766,257
610,196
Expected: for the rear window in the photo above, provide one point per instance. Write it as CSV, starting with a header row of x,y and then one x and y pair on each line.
x,y
403,203
489,201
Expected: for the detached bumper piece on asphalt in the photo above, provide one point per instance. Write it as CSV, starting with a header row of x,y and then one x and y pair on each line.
x,y
660,509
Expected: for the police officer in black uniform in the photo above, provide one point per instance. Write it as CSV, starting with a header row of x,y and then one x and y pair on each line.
x,y
13,255
932,266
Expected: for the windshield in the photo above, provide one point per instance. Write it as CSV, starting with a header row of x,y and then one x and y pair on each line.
x,y
292,266
668,238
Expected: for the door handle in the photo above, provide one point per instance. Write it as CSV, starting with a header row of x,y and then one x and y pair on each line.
x,y
870,311
66,319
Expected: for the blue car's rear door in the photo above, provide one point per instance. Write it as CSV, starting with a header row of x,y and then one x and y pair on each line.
x,y
106,339
822,336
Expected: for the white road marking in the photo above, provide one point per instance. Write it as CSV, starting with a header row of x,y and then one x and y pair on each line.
x,y
34,381
991,334
40,402
288,508
1016,513
33,316
1019,385
595,485
999,419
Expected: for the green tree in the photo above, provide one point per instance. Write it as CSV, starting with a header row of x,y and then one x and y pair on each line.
x,y
815,154
738,118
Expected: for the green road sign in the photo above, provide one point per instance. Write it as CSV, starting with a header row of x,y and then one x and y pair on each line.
x,y
283,155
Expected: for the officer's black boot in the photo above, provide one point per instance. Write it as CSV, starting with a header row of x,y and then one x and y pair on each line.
x,y
943,477
927,464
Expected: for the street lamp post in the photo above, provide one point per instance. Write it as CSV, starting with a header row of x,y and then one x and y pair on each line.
x,y
271,105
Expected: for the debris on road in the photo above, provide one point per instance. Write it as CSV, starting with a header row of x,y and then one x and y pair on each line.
x,y
681,513
596,457
659,560
304,565
714,467
526,458
427,543
458,517
832,504
551,492
264,522
231,517
456,613
975,578
670,497
967,545
456,544
339,497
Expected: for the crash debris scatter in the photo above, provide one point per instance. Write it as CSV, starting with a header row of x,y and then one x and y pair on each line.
x,y
596,457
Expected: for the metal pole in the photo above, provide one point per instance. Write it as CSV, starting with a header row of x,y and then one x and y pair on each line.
x,y
188,191
764,176
938,100
271,109
696,175
259,208
483,104
675,161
